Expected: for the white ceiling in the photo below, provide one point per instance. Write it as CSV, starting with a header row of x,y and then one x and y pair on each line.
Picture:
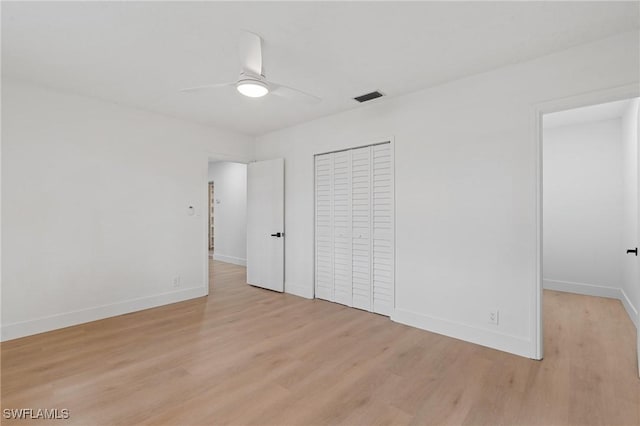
x,y
142,53
588,114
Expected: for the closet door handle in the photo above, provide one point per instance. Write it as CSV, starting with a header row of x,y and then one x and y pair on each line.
x,y
277,234
634,251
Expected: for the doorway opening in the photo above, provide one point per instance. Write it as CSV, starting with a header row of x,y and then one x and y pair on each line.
x,y
589,269
226,222
226,214
244,222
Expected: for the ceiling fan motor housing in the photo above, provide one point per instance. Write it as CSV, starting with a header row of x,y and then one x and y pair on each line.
x,y
252,86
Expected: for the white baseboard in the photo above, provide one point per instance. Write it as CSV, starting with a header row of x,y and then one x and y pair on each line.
x,y
298,290
582,288
594,290
230,259
67,319
480,336
631,310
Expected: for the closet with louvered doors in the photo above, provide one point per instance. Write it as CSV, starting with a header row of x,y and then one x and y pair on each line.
x,y
354,240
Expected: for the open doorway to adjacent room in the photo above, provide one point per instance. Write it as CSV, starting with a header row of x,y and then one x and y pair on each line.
x,y
590,234
244,223
227,189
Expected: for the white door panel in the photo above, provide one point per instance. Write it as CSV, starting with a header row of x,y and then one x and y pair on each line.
x,y
265,217
361,227
383,227
324,226
638,232
342,227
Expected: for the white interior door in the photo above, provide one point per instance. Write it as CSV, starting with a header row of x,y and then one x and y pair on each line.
x,y
354,235
383,229
342,275
361,227
324,226
638,233
265,224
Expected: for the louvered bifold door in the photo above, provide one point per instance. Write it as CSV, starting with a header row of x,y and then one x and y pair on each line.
x,y
361,227
383,229
342,280
324,226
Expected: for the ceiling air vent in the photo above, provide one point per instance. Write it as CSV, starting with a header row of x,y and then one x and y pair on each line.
x,y
368,96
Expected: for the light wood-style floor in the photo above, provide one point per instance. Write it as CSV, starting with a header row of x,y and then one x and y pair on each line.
x,y
250,356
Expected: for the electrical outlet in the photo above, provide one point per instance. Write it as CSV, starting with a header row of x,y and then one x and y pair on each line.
x,y
176,281
494,316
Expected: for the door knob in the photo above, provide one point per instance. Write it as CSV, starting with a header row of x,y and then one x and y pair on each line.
x,y
277,234
634,251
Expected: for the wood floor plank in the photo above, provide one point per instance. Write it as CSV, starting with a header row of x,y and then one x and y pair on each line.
x,y
245,355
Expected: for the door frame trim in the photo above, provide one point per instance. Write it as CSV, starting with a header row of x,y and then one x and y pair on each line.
x,y
611,94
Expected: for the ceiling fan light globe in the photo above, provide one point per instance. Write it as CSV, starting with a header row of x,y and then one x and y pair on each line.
x,y
252,88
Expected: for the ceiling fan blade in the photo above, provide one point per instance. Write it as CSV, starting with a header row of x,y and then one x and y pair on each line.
x,y
250,52
205,87
293,94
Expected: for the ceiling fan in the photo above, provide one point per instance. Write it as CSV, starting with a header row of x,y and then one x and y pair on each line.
x,y
252,82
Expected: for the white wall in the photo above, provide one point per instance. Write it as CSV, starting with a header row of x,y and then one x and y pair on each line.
x,y
630,237
583,208
466,183
94,208
230,218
